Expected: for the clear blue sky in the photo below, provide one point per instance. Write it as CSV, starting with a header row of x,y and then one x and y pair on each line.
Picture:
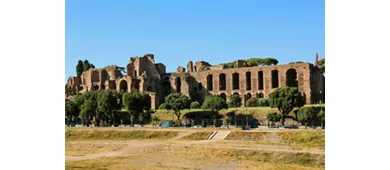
x,y
110,32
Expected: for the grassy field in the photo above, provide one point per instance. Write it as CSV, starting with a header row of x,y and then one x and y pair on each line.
x,y
132,148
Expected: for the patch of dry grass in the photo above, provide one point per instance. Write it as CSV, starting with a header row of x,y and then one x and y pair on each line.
x,y
81,149
304,139
117,134
237,135
204,135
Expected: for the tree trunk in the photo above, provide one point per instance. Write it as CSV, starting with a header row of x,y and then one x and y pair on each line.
x,y
178,119
283,119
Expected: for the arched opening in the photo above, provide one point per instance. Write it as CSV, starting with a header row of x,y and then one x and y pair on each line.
x,y
150,88
95,76
222,81
135,73
275,79
104,75
210,82
291,78
123,85
260,95
223,96
95,87
248,96
178,84
103,87
260,79
136,85
248,80
236,81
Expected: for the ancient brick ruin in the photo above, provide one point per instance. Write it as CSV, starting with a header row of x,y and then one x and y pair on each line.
x,y
201,79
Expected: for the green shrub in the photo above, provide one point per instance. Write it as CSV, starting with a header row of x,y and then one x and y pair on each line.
x,y
163,106
195,105
262,102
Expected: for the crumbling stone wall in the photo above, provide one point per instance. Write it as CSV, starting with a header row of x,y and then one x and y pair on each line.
x,y
142,73
248,87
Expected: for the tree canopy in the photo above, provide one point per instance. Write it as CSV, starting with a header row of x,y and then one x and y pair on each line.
x,y
234,100
286,99
177,102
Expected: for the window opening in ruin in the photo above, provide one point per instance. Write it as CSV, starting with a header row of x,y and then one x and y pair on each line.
x,y
248,96
275,79
291,78
123,85
135,73
150,88
248,80
223,96
236,81
96,87
178,84
260,80
103,87
260,95
210,82
222,82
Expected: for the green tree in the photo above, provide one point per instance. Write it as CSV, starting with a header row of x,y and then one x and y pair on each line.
x,y
234,101
89,107
145,115
162,106
306,115
274,117
107,104
71,110
286,99
262,102
133,102
195,105
177,102
155,120
321,65
79,68
215,104
254,62
86,65
321,117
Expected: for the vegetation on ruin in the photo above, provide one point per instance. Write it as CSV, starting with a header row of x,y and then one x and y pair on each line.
x,y
254,62
83,66
286,99
296,62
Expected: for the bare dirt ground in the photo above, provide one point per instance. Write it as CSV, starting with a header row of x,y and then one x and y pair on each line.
x,y
173,154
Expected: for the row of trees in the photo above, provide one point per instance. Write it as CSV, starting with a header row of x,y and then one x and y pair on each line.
x,y
83,66
284,99
306,115
102,107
